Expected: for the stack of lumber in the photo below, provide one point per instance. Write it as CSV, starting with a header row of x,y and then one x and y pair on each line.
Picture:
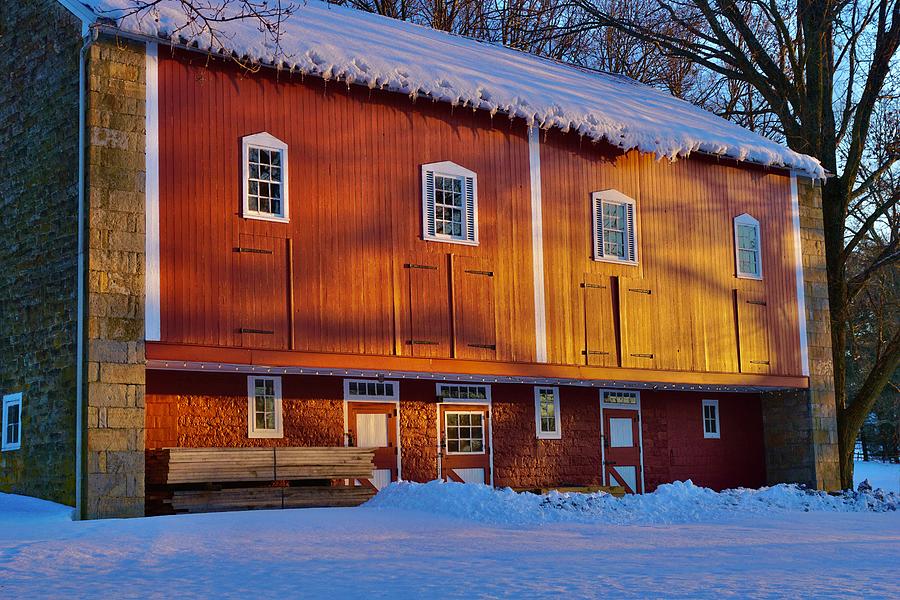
x,y
220,479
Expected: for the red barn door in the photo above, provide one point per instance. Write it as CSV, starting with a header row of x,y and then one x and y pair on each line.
x,y
622,449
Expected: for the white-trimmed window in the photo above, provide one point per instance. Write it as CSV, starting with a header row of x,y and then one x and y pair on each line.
x,y
621,398
371,389
711,419
450,392
12,422
449,203
546,413
615,229
747,249
265,177
264,418
464,431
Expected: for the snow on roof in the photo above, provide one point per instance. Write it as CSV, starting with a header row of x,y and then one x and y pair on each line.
x,y
356,47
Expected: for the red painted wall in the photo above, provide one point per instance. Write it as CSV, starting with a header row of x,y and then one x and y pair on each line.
x,y
210,410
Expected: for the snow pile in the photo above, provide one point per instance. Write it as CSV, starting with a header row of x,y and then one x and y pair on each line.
x,y
679,502
351,46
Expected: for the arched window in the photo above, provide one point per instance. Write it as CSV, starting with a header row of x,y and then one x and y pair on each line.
x,y
615,227
449,203
265,177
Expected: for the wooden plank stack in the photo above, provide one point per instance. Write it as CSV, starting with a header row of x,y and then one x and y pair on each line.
x,y
221,479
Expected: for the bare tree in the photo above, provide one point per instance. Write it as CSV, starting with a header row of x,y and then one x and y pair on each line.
x,y
822,68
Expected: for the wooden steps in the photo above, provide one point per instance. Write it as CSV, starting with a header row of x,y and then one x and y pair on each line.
x,y
221,479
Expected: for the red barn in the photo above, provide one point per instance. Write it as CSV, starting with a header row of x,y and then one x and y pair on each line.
x,y
491,267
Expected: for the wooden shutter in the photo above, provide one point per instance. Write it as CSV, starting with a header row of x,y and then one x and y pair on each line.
x,y
428,202
599,322
427,306
262,289
631,238
637,310
471,210
598,226
753,332
473,309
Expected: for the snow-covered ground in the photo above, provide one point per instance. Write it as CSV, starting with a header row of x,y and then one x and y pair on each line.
x,y
880,475
449,540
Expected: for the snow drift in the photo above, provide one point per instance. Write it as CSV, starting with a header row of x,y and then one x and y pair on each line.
x,y
679,502
351,46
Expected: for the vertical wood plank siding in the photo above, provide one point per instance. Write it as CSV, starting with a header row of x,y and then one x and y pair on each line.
x,y
354,160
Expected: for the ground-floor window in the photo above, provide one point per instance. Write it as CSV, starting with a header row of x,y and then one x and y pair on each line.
x,y
12,422
546,412
711,418
264,419
464,431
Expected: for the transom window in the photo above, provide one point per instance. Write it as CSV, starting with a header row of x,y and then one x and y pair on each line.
x,y
463,392
747,247
546,411
465,432
615,235
449,203
265,177
620,398
12,422
370,389
711,418
264,407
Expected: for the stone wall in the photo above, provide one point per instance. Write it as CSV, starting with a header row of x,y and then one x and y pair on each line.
x,y
114,427
801,425
39,48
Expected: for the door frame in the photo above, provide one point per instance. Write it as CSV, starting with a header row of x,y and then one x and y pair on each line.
x,y
487,401
616,406
395,400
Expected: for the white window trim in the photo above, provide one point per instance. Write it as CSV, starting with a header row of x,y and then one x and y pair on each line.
x,y
371,397
614,197
718,433
556,434
746,219
484,436
10,400
451,169
617,406
487,392
252,432
269,142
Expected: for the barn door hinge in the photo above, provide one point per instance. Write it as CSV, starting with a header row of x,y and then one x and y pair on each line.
x,y
252,250
485,346
421,343
595,286
262,331
757,302
594,353
485,273
415,266
642,355
640,290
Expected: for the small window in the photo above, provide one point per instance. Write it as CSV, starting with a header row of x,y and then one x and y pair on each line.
x,y
450,392
615,233
620,398
747,247
264,407
711,418
12,422
449,203
465,432
546,413
371,389
265,177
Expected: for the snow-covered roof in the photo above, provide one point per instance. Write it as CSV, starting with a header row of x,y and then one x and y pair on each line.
x,y
356,47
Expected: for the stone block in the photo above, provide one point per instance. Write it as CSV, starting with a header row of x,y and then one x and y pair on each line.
x,y
113,373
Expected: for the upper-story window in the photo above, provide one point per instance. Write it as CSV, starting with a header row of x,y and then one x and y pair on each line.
x,y
265,177
12,422
449,203
615,230
747,250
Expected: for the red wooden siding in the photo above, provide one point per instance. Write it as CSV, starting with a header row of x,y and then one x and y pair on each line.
x,y
344,275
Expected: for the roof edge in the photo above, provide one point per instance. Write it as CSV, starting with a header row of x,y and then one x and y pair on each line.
x,y
82,12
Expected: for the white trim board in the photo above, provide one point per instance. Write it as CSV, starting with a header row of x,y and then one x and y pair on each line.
x,y
537,245
152,319
798,261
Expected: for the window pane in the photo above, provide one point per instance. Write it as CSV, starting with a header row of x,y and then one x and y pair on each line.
x,y
276,158
453,445
254,155
452,419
